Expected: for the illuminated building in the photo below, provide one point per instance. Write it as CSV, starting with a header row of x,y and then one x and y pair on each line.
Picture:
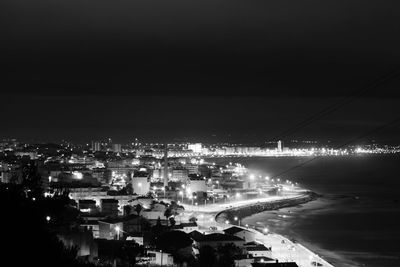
x,y
192,168
197,183
141,183
279,145
196,148
179,174
96,146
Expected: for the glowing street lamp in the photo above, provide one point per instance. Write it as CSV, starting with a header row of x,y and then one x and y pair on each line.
x,y
237,220
267,178
251,176
265,230
117,229
181,193
48,218
238,195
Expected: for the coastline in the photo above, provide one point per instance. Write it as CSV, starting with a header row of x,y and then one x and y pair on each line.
x,y
286,248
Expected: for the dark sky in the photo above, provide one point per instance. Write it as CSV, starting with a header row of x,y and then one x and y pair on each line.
x,y
201,69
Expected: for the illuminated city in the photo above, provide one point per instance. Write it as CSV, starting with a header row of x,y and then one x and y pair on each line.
x,y
202,133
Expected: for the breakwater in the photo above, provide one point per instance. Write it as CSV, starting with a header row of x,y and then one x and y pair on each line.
x,y
248,210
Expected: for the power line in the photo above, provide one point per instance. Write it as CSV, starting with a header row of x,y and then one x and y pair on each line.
x,y
334,107
393,122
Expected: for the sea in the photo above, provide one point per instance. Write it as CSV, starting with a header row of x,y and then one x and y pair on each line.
x,y
355,222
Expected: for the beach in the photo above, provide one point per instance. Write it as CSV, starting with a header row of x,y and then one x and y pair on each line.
x,y
353,222
283,249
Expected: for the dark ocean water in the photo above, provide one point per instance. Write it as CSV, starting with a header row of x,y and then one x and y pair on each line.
x,y
357,220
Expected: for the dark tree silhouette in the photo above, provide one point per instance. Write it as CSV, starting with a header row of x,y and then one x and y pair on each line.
x,y
207,256
138,208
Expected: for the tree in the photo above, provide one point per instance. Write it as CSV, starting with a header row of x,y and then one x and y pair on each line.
x,y
138,208
172,221
167,213
127,209
226,254
207,256
193,219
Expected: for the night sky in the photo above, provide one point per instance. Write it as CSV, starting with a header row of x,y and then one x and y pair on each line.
x,y
197,70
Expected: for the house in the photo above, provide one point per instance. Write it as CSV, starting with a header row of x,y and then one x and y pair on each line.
x,y
215,240
116,227
258,250
243,260
87,206
187,227
160,258
243,233
92,226
109,206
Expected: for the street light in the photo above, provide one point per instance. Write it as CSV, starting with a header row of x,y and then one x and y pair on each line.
x,y
117,229
48,218
181,193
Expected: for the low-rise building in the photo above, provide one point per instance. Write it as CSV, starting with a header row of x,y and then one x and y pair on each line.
x,y
141,183
160,258
215,240
110,207
246,235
